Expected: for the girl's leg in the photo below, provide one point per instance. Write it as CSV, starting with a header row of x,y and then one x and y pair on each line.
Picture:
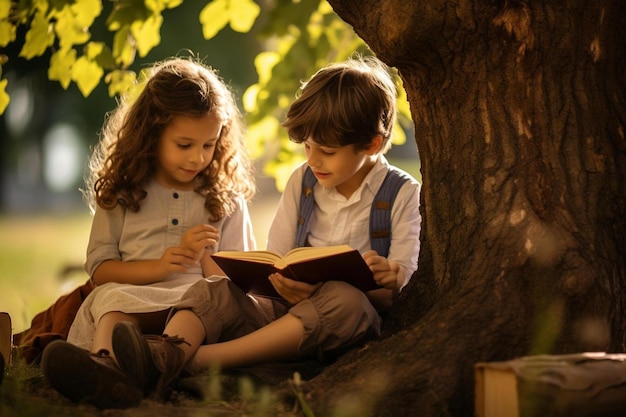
x,y
186,325
153,361
147,322
279,340
104,330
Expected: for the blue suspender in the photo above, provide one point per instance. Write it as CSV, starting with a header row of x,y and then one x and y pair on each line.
x,y
380,214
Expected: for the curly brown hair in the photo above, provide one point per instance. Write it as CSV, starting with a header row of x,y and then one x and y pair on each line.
x,y
125,158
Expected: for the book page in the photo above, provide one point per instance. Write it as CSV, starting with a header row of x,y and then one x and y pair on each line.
x,y
256,256
310,252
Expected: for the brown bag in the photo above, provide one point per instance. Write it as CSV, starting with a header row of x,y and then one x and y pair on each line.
x,y
51,324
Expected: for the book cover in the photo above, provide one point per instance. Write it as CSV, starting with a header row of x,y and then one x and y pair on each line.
x,y
251,275
572,385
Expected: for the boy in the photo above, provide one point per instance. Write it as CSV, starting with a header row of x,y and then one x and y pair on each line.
x,y
344,117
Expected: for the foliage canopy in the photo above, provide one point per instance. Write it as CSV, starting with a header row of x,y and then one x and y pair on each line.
x,y
297,38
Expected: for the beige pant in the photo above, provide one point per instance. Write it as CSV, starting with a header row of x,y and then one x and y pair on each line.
x,y
337,316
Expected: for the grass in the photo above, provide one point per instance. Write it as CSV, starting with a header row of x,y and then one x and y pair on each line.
x,y
34,250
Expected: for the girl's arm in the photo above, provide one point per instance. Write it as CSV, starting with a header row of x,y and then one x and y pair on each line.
x,y
236,234
209,267
174,260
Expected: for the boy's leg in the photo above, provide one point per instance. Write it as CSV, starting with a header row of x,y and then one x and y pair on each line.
x,y
223,310
278,340
336,317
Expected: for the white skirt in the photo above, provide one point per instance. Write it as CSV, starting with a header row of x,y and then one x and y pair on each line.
x,y
126,298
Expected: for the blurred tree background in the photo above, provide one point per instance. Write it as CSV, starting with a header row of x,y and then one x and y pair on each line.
x,y
47,128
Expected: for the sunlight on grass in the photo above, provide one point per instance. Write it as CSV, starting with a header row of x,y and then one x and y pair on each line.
x,y
33,252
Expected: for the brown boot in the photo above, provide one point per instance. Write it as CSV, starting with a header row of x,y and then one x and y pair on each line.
x,y
92,378
151,361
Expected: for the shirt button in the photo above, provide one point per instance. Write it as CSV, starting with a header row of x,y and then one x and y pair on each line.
x,y
175,195
175,222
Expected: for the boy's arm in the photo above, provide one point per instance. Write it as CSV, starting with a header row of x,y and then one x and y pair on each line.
x,y
291,290
387,273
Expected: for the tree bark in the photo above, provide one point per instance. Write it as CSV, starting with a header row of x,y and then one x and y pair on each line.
x,y
519,111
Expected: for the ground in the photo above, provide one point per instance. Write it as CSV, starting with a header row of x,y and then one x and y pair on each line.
x,y
261,391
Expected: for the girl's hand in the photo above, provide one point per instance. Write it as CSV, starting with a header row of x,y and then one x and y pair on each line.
x,y
174,260
199,238
291,290
385,271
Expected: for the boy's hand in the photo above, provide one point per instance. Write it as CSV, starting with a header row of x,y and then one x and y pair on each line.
x,y
199,238
385,271
291,290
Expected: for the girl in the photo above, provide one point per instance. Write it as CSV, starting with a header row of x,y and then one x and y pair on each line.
x,y
169,184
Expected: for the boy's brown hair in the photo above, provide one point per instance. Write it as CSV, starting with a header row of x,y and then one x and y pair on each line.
x,y
347,103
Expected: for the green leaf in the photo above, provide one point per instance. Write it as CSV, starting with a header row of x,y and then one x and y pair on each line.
x,y
243,14
258,135
120,81
264,63
93,50
160,5
86,74
68,30
249,98
86,11
61,64
281,168
105,57
170,4
58,4
5,9
123,49
7,33
214,17
38,38
4,97
147,33
125,13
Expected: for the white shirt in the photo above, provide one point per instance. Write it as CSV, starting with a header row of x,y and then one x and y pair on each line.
x,y
337,220
161,222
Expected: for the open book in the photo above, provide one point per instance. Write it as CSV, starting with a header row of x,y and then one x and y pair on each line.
x,y
250,270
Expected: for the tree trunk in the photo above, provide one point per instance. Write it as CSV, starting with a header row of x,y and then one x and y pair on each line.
x,y
520,117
